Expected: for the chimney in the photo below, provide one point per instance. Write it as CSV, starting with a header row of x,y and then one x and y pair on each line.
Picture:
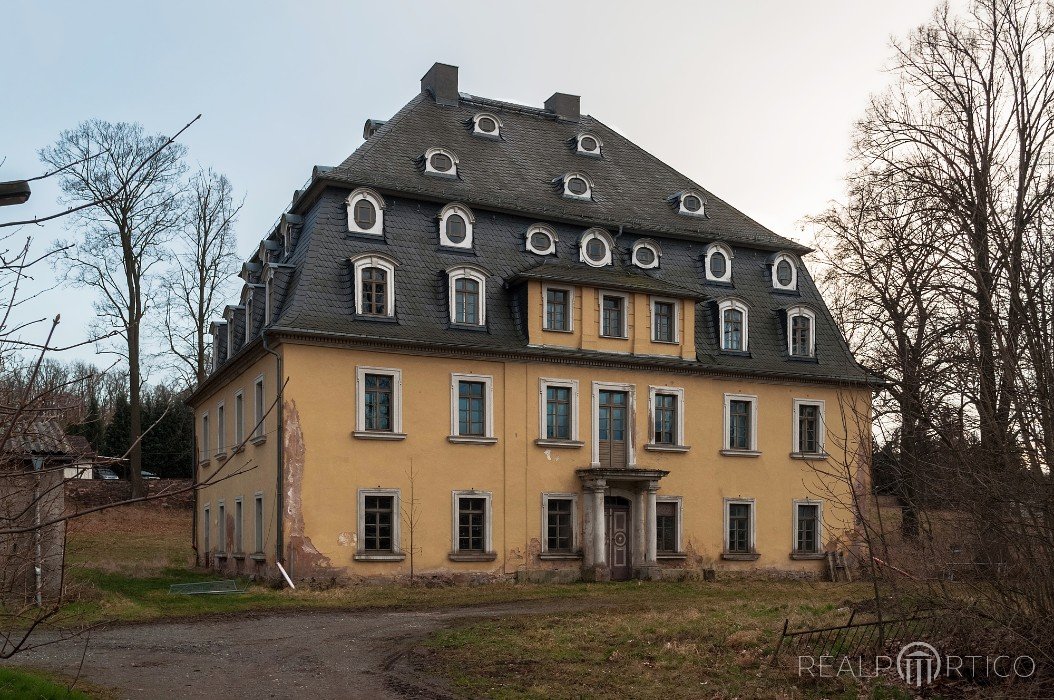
x,y
564,106
441,82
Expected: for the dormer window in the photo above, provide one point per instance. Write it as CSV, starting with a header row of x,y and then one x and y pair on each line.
x,y
268,282
541,240
288,227
690,203
441,162
577,186
455,226
484,124
801,332
646,254
374,285
467,294
588,144
718,263
733,325
784,272
365,212
595,247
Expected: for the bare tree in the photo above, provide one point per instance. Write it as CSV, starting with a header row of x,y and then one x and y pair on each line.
x,y
205,263
120,241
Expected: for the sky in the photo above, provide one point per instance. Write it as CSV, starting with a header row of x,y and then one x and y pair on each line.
x,y
753,100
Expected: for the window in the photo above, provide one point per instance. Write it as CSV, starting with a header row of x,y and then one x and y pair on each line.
x,y
739,527
741,423
588,144
238,525
614,407
558,400
378,514
258,520
268,282
666,406
646,254
718,263
258,406
801,332
577,186
207,531
239,418
558,523
594,248
471,525
668,525
691,204
378,403
784,272
612,315
664,321
541,240
455,226
808,527
734,325
484,124
468,287
558,309
472,409
440,162
808,428
221,430
230,331
205,454
219,331
249,289
222,529
374,285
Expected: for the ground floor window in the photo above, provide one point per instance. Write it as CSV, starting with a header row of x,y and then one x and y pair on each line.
x,y
378,525
259,523
807,527
207,524
559,524
238,525
472,522
668,526
221,546
739,527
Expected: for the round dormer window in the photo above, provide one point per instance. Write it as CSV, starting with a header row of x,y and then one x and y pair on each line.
x,y
784,273
577,186
487,125
365,214
596,250
441,162
692,203
645,256
456,228
718,265
540,241
588,143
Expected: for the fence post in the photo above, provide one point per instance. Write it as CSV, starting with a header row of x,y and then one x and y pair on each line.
x,y
776,654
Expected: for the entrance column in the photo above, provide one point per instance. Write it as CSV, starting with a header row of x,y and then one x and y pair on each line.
x,y
594,549
651,563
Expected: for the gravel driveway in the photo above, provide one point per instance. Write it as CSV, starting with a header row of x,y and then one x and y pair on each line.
x,y
280,655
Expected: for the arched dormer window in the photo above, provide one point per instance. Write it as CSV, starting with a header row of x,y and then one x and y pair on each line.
x,y
577,186
594,248
646,254
784,272
486,124
589,144
718,263
455,226
440,162
365,212
733,320
691,203
374,279
468,295
541,239
801,332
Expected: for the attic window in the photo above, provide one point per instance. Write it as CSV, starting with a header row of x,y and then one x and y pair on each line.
x,y
588,144
595,247
441,162
691,204
577,186
541,240
646,254
784,273
488,125
718,263
365,212
455,226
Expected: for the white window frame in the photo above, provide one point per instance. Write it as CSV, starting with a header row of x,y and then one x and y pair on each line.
x,y
570,308
259,409
216,344
752,502
809,314
821,428
268,287
207,534
671,390
599,152
488,393
239,526
545,230
498,126
585,196
488,516
221,526
248,310
230,332
543,384
676,319
239,417
259,539
601,293
631,428
794,272
470,225
605,238
378,203
650,245
360,263
429,170
727,449
396,432
687,212
467,272
575,539
221,429
718,247
206,453
396,553
736,305
678,501
819,525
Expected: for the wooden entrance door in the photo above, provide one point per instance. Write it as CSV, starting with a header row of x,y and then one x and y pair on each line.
x,y
616,515
613,425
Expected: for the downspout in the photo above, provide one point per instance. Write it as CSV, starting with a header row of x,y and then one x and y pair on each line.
x,y
280,406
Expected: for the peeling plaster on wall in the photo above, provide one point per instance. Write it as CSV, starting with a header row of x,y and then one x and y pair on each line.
x,y
305,561
346,539
549,455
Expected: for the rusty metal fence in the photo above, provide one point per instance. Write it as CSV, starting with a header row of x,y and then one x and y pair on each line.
x,y
857,638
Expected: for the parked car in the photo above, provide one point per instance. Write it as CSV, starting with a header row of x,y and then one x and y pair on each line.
x,y
106,474
148,475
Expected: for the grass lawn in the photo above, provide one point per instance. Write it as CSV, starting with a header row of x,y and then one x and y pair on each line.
x,y
33,685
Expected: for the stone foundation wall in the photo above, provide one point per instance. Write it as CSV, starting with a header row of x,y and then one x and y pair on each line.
x,y
89,493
